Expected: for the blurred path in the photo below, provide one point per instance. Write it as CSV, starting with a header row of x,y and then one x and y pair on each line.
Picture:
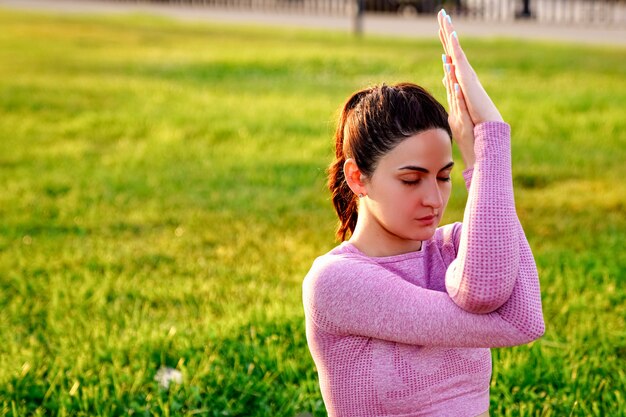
x,y
383,25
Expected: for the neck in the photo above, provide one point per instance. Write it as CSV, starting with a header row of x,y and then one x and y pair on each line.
x,y
371,238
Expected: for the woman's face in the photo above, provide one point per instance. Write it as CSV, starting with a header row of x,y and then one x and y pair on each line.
x,y
409,190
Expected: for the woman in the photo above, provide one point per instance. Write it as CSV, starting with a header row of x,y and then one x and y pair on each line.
x,y
401,316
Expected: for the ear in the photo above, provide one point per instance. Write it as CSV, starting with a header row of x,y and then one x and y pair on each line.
x,y
354,177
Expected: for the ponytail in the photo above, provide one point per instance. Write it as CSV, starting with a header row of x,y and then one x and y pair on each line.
x,y
344,200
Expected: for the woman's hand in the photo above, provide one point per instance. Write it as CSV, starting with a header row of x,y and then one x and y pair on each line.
x,y
468,102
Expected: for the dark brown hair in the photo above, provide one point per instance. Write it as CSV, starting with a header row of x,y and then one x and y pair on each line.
x,y
372,122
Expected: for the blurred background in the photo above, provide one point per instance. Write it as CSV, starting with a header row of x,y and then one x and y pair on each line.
x,y
162,178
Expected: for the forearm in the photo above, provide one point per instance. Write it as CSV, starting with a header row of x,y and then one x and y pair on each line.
x,y
468,155
523,309
367,300
482,277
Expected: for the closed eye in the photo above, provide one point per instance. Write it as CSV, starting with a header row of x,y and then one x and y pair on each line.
x,y
444,179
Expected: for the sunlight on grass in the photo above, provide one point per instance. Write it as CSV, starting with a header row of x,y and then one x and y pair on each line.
x,y
163,197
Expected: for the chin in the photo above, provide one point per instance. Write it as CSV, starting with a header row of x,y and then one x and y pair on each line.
x,y
421,235
428,233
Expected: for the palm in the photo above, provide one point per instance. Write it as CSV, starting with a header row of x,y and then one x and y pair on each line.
x,y
469,103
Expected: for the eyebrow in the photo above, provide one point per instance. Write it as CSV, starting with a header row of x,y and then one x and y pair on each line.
x,y
424,170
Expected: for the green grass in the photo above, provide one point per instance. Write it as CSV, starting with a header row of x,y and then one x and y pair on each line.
x,y
162,197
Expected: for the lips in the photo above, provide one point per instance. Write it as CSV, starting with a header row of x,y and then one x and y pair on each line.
x,y
427,220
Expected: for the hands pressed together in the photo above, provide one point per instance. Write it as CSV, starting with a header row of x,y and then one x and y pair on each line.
x,y
468,102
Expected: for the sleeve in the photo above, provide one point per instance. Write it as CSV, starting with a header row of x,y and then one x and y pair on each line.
x,y
523,309
349,296
482,277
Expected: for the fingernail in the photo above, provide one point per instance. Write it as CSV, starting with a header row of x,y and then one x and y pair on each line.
x,y
449,19
443,12
454,34
444,58
456,87
447,67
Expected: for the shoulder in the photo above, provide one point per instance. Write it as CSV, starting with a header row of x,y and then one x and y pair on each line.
x,y
343,272
332,266
339,259
330,276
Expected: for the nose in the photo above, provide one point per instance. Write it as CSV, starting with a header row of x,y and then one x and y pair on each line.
x,y
432,197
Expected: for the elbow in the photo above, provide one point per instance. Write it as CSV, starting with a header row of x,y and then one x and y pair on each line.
x,y
484,295
538,329
480,303
533,330
487,303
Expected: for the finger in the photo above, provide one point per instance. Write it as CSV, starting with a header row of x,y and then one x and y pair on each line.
x,y
446,83
440,16
450,72
464,73
464,69
447,70
454,88
442,38
458,98
448,92
463,112
477,102
452,105
452,42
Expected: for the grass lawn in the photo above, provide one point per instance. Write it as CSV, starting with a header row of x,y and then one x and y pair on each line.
x,y
162,197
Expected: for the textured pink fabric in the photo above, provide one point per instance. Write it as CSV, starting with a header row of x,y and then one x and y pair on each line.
x,y
401,335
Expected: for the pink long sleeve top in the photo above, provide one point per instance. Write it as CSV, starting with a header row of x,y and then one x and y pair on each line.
x,y
409,335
